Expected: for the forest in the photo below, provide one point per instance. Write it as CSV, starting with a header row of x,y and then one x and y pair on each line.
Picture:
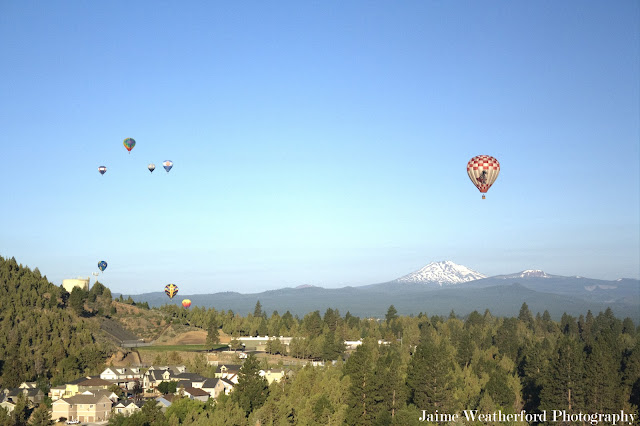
x,y
406,364
589,364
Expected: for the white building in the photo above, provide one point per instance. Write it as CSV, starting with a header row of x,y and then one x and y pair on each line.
x,y
69,284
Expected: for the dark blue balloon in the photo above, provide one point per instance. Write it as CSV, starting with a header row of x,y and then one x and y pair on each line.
x,y
102,265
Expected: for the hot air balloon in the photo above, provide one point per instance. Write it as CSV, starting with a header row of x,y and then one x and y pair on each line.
x,y
483,171
102,170
167,165
171,290
151,167
102,265
129,143
186,303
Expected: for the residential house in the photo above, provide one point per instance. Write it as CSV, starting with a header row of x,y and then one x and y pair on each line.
x,y
34,396
71,388
213,386
183,384
232,378
113,373
100,392
175,369
195,380
124,377
28,385
170,397
153,378
85,408
7,404
94,384
197,394
155,375
228,386
228,371
57,392
78,386
272,375
163,403
127,407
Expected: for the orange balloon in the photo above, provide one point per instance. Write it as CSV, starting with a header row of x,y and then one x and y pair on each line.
x,y
186,303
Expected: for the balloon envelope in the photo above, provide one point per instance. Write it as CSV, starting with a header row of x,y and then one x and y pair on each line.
x,y
129,143
167,165
102,170
151,167
186,303
102,265
171,290
483,171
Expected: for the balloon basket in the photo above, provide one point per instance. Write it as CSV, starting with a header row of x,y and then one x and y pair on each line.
x,y
484,198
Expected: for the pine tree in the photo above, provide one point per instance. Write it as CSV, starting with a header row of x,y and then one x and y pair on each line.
x,y
313,324
533,368
41,417
431,376
252,389
603,378
227,412
213,334
20,412
498,388
464,348
564,388
332,347
257,311
631,374
76,300
628,327
390,393
5,418
332,319
506,338
568,325
392,313
13,366
525,316
263,329
359,398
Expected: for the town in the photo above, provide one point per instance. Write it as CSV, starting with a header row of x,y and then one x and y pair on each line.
x,y
125,390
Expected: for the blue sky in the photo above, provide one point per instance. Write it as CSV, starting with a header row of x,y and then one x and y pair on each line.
x,y
318,142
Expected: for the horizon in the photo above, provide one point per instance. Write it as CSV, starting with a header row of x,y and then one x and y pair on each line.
x,y
322,144
450,285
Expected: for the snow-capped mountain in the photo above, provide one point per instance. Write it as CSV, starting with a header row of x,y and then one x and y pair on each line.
x,y
529,273
442,273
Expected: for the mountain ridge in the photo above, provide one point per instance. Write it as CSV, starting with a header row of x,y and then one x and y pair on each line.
x,y
501,294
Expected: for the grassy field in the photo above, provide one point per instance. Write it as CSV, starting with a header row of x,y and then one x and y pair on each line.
x,y
176,348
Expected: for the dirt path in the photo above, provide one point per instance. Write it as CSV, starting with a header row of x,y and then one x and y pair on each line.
x,y
124,359
188,338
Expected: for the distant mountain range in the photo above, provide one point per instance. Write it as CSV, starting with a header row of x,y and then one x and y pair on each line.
x,y
437,289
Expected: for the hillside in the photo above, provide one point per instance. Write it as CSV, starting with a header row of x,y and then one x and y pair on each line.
x,y
45,332
145,324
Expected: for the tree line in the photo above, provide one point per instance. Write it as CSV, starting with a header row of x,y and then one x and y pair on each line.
x,y
480,362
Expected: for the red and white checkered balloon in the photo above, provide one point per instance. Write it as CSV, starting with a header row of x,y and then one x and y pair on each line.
x,y
483,171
